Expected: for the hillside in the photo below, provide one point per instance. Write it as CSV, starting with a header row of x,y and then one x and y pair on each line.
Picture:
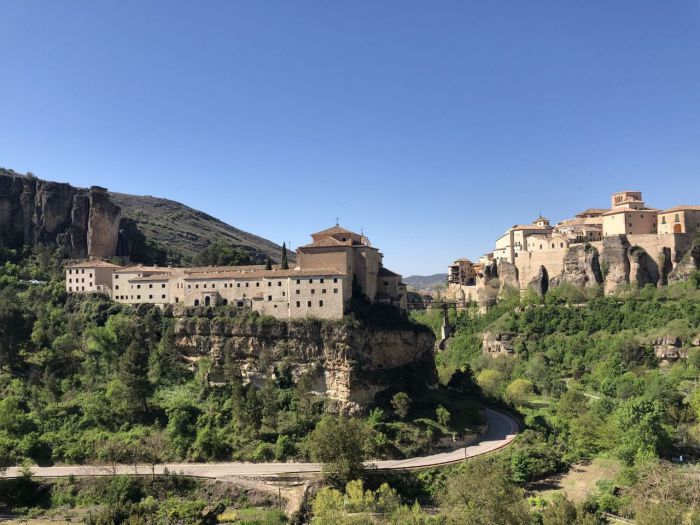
x,y
182,230
91,222
423,282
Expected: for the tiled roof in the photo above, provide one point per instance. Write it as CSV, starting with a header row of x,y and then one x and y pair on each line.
x,y
158,277
270,274
96,263
592,211
334,230
681,207
326,242
615,211
141,268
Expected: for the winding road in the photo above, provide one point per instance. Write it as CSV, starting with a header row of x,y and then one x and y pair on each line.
x,y
501,431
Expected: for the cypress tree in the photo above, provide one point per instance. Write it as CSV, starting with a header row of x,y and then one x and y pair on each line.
x,y
268,263
285,263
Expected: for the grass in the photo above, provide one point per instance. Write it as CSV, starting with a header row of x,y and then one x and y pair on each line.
x,y
253,516
579,481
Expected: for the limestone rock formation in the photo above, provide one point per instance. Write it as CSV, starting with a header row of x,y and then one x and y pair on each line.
x,y
501,343
508,274
687,265
350,364
614,262
540,283
581,267
643,269
37,212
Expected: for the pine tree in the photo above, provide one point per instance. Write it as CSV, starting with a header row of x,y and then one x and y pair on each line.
x,y
134,376
268,263
285,263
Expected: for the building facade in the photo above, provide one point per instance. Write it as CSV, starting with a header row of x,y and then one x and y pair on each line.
x,y
336,264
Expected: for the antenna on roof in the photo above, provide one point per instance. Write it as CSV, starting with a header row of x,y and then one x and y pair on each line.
x,y
337,221
362,230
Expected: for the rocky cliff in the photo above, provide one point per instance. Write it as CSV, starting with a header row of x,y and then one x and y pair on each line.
x,y
35,212
348,362
92,222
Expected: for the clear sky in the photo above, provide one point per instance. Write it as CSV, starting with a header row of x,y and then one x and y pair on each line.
x,y
435,125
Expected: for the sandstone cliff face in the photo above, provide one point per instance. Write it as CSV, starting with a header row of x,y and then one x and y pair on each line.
x,y
615,261
643,269
687,265
348,364
36,212
508,274
581,267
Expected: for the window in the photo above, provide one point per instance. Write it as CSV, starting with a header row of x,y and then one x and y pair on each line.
x,y
308,304
677,219
116,287
335,279
298,292
162,296
269,283
238,285
561,245
269,298
284,293
70,288
189,286
204,285
298,281
196,286
90,284
320,303
150,286
246,285
298,304
138,286
257,285
150,297
162,285
320,281
279,283
386,283
138,297
311,281
335,290
323,290
663,220
90,275
313,291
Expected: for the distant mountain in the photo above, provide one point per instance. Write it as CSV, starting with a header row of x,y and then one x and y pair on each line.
x,y
426,281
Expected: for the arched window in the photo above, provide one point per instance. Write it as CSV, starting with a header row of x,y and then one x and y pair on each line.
x,y
225,302
196,302
207,301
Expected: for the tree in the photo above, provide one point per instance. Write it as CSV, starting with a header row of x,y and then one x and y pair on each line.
x,y
401,404
518,392
134,376
482,494
443,415
490,381
285,263
268,263
342,445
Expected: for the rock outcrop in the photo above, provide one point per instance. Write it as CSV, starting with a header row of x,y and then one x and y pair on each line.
x,y
614,261
508,274
540,283
689,263
36,212
348,363
581,267
498,343
643,269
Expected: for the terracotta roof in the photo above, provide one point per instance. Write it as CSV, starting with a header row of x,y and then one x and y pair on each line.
x,y
334,230
141,268
97,263
326,242
270,274
530,227
592,211
682,207
615,211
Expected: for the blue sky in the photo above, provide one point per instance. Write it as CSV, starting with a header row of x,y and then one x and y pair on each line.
x,y
434,125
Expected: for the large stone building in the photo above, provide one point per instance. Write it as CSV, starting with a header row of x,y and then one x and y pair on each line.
x,y
336,264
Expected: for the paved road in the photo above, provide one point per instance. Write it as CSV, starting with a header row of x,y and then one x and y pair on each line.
x,y
502,430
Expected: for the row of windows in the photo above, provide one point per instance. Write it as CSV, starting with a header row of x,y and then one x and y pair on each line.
x,y
308,304
80,271
313,291
139,286
138,297
77,289
79,280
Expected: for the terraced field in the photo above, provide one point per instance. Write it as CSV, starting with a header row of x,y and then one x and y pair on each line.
x,y
579,481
